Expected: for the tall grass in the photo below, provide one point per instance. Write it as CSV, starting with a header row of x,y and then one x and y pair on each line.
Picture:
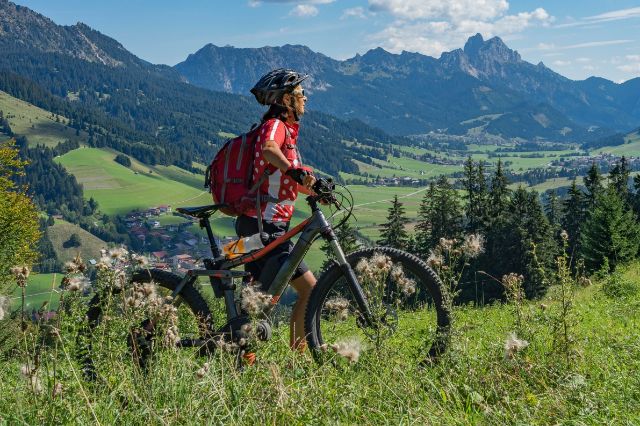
x,y
42,381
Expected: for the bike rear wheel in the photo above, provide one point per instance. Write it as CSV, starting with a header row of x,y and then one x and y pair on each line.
x,y
138,340
404,322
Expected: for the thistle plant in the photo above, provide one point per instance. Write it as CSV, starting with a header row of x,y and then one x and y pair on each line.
x,y
449,259
385,286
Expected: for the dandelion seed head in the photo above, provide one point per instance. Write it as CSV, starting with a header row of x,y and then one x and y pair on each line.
x,y
254,301
21,274
473,245
140,260
513,345
77,283
564,235
349,349
4,307
381,263
447,244
435,259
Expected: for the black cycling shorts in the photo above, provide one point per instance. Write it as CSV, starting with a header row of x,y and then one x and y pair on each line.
x,y
246,226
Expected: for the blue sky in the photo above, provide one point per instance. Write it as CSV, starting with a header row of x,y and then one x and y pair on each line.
x,y
575,38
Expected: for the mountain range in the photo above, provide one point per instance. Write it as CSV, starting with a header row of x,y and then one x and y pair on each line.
x,y
483,87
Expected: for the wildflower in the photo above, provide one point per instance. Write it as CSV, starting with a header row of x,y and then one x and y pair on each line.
x,y
564,235
104,263
350,349
513,345
57,389
4,307
30,374
473,245
171,336
447,245
201,372
406,285
381,263
21,274
254,301
79,283
140,260
118,254
338,306
435,259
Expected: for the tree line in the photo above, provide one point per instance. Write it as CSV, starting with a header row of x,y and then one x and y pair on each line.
x,y
596,223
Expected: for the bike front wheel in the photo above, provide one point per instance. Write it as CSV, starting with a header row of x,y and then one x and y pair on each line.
x,y
409,315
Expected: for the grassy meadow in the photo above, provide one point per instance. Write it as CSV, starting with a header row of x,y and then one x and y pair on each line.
x,y
589,378
119,189
36,124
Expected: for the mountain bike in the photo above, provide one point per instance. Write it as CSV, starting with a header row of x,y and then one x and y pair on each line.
x,y
343,304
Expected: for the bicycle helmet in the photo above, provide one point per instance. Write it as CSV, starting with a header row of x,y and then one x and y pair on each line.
x,y
271,86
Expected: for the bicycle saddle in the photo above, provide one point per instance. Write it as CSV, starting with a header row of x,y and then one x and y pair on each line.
x,y
201,212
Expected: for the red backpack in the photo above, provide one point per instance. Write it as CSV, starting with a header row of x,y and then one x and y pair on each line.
x,y
229,175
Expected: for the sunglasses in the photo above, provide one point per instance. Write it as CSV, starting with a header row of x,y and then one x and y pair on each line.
x,y
299,94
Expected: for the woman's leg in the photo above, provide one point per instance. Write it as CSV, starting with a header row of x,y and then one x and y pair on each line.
x,y
303,286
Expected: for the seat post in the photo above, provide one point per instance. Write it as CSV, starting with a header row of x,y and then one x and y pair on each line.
x,y
204,223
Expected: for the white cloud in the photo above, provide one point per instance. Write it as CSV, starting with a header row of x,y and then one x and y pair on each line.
x,y
304,10
455,10
354,12
588,68
434,26
614,15
560,63
635,58
583,60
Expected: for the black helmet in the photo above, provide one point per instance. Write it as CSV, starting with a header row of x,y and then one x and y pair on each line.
x,y
271,86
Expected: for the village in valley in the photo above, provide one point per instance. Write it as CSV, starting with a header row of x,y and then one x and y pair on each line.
x,y
172,247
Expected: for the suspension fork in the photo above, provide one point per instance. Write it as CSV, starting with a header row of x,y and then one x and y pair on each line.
x,y
352,279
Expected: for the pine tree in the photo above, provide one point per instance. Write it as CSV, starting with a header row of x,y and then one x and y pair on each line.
x,y
619,178
393,233
553,208
476,197
574,216
593,183
499,194
610,232
446,213
423,228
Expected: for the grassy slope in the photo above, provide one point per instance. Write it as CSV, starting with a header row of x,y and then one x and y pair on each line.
x,y
473,384
35,123
119,189
89,248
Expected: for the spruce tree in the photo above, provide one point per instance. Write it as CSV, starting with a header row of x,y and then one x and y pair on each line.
x,y
610,232
594,183
475,185
392,233
446,212
553,208
574,216
499,194
423,228
619,178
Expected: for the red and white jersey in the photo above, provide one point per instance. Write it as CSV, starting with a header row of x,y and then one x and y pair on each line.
x,y
281,189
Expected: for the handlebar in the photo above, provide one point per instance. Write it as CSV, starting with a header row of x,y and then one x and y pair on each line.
x,y
324,191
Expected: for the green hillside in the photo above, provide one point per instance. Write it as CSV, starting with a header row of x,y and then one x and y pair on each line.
x,y
89,248
39,126
119,189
